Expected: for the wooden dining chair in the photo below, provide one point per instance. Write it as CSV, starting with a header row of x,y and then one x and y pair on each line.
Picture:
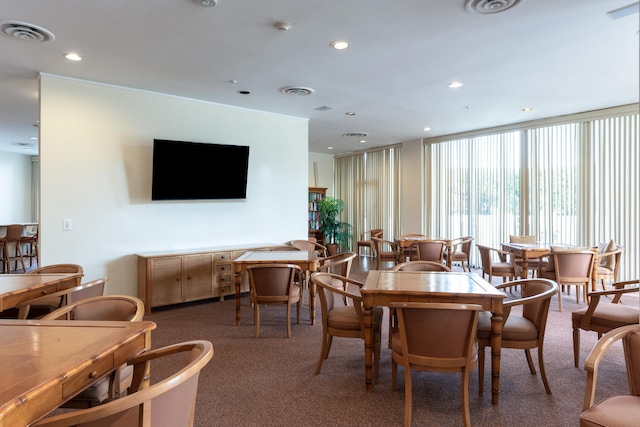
x,y
12,248
168,402
460,252
437,337
386,250
430,250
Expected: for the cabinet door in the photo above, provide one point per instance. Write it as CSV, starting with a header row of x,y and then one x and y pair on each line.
x,y
198,271
166,281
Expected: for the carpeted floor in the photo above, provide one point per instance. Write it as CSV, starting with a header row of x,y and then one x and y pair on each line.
x,y
270,381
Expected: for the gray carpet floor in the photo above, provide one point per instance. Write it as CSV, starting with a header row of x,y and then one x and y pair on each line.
x,y
270,381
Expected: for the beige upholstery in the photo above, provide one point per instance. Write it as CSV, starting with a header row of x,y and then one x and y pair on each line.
x,y
368,243
572,268
607,264
170,402
108,308
523,330
602,316
461,251
621,410
341,308
386,251
435,337
491,267
274,284
528,239
59,299
11,248
430,250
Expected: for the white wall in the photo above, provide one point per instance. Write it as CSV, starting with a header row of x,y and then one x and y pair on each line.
x,y
15,188
324,165
95,156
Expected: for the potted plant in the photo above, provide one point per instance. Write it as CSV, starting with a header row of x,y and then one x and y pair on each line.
x,y
336,233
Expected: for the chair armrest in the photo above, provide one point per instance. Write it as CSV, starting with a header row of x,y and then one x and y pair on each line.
x,y
594,358
594,299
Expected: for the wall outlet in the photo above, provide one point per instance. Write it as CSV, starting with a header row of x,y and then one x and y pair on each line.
x,y
66,224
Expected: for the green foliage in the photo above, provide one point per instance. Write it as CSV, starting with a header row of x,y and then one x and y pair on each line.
x,y
334,230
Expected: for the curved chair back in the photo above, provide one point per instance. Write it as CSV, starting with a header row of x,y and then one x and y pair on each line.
x,y
67,296
167,403
106,307
430,250
338,264
574,268
310,246
421,266
57,268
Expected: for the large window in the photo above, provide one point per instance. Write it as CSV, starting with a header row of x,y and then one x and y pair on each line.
x,y
571,183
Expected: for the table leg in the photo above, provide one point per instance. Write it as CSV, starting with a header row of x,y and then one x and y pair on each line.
x,y
449,255
496,345
238,280
312,298
367,318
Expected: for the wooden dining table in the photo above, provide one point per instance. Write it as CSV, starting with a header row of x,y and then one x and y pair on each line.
x,y
308,261
18,288
46,363
384,286
526,251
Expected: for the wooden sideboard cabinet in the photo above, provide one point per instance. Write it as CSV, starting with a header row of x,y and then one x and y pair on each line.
x,y
166,278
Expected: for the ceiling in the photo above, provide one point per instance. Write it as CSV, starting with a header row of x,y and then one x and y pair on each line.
x,y
556,57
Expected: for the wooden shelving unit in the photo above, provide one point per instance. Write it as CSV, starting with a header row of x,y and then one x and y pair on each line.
x,y
315,195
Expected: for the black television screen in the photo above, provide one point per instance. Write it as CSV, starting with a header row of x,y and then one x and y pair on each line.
x,y
198,171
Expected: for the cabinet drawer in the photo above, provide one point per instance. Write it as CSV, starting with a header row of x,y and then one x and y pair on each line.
x,y
222,256
224,290
223,267
223,279
87,376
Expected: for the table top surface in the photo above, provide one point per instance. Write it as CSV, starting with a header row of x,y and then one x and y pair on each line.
x,y
12,283
278,256
420,282
37,354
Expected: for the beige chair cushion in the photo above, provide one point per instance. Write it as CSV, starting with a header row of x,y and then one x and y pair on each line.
x,y
608,262
611,315
614,411
516,328
522,239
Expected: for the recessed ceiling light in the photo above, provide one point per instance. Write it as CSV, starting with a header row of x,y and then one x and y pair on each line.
x,y
329,148
454,85
73,57
362,141
527,109
339,45
350,113
426,129
35,138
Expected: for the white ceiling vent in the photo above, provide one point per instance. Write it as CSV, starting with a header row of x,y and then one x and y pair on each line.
x,y
297,91
355,135
23,31
490,6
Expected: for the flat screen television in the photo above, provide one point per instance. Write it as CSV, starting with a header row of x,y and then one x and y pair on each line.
x,y
198,171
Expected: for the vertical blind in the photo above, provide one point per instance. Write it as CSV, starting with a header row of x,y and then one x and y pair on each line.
x,y
369,184
573,183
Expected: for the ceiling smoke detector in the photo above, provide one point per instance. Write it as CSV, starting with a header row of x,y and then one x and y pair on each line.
x,y
24,31
490,6
297,91
207,3
355,135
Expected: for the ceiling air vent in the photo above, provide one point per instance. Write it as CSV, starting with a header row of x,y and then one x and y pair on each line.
x,y
297,91
23,31
22,144
355,135
490,6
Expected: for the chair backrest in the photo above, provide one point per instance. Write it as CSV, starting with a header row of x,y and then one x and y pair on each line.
x,y
377,232
430,250
308,245
465,245
438,336
57,268
338,264
421,266
14,233
107,307
272,282
574,266
167,403
94,288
